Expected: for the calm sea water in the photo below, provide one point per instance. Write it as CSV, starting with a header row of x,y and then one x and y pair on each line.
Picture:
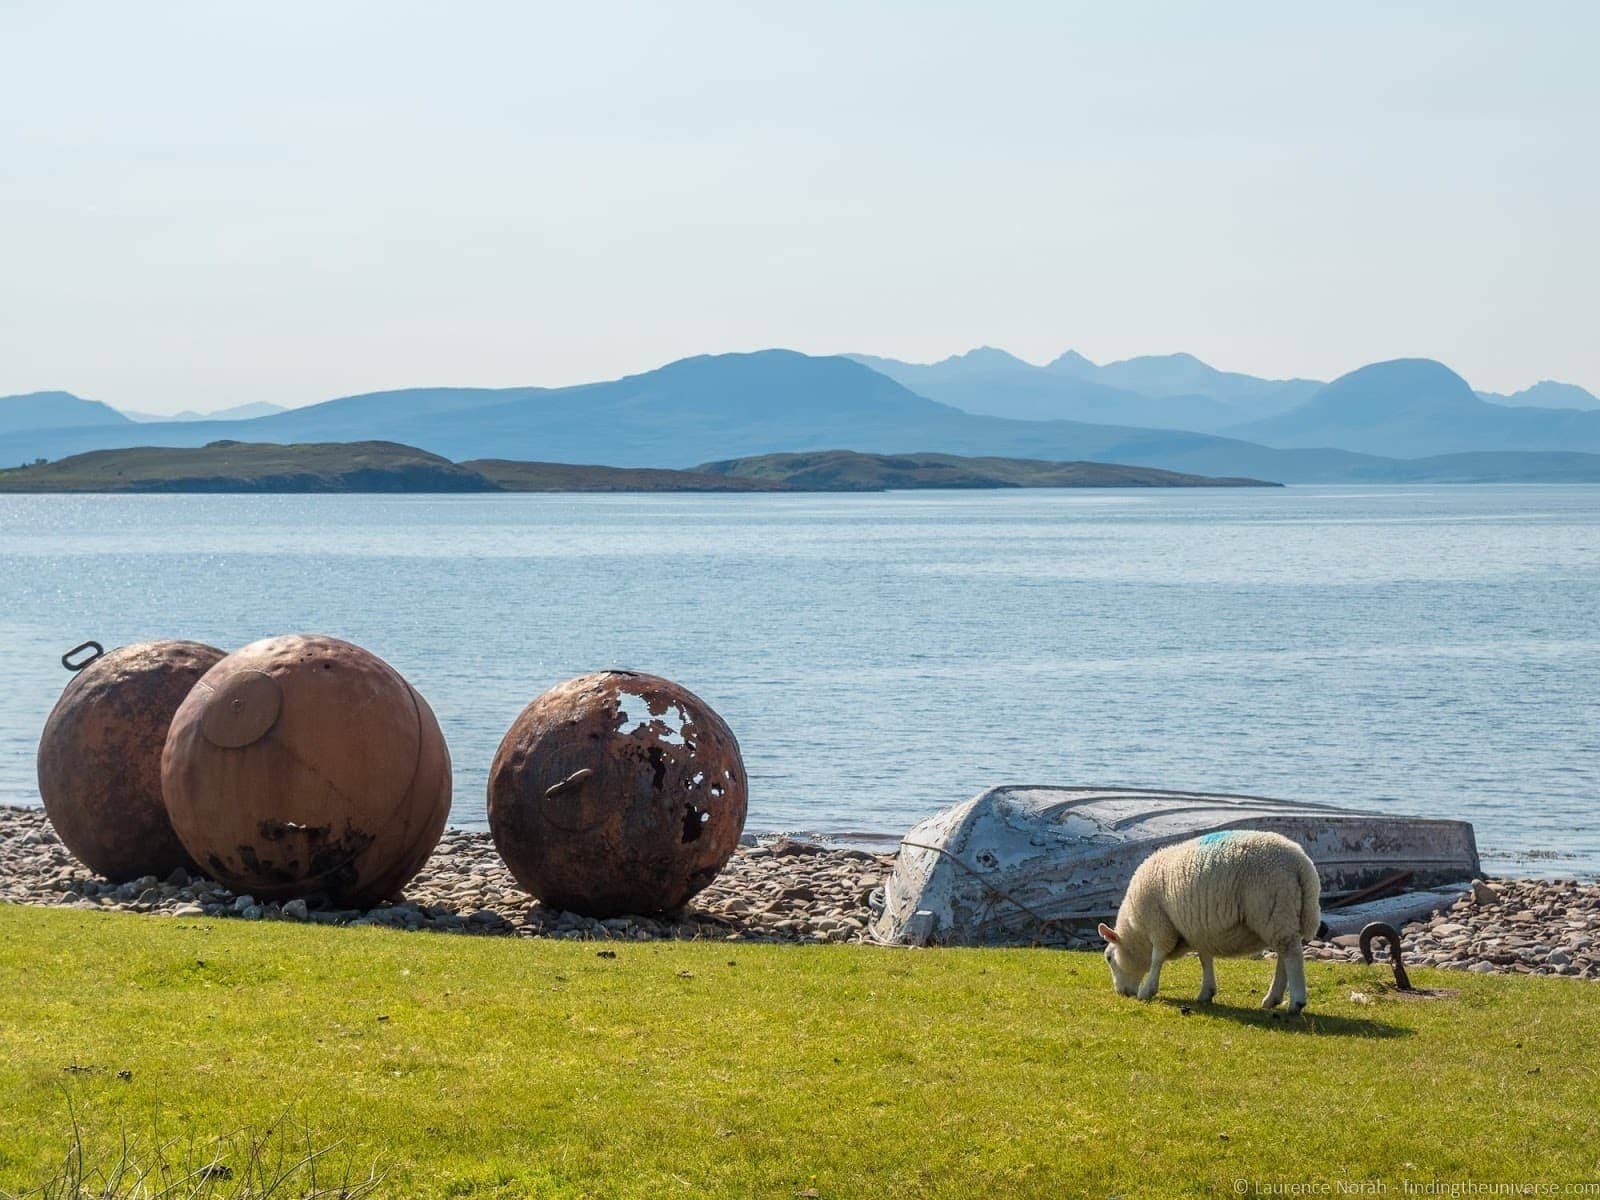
x,y
1424,650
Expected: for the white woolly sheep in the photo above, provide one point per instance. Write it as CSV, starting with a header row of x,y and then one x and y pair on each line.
x,y
1227,893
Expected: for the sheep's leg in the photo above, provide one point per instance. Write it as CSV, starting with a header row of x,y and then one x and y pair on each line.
x,y
1152,981
1280,977
1208,979
1293,959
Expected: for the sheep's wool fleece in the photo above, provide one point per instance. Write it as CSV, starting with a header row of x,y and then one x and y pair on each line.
x,y
1230,892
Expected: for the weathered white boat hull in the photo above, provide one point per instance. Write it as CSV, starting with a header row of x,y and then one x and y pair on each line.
x,y
1042,865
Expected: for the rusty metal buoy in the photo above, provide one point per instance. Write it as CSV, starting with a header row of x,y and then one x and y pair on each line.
x,y
100,754
617,793
303,764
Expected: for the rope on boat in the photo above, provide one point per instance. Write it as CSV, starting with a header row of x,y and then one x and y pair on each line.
x,y
987,884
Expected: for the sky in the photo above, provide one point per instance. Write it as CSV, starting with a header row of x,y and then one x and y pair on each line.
x,y
205,204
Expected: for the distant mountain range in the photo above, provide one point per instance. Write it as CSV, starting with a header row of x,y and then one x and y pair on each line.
x,y
1546,394
1410,419
63,410
1404,408
239,412
1163,391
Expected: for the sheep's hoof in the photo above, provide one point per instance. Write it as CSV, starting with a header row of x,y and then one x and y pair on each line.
x,y
1295,1010
1271,1001
1205,997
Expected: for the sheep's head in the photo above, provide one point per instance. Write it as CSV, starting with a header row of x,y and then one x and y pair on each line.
x,y
1126,968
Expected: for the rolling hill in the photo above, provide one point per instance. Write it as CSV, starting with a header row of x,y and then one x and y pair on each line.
x,y
1415,407
851,471
510,476
230,466
55,410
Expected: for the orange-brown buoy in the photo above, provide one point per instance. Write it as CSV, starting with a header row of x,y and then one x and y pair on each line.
x,y
100,755
304,764
617,793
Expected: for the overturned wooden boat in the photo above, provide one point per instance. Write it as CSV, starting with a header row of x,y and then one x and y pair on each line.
x,y
1043,865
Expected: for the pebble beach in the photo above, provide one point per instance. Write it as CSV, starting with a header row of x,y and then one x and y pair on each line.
x,y
776,890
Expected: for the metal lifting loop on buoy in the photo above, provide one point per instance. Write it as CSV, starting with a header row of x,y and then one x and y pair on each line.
x,y
67,659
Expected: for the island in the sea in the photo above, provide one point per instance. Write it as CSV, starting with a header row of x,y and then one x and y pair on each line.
x,y
230,466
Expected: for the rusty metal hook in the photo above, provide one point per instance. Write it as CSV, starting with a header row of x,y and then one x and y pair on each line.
x,y
1382,930
69,664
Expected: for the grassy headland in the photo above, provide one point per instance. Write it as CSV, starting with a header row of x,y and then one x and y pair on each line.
x,y
509,1068
510,476
229,466
250,467
851,471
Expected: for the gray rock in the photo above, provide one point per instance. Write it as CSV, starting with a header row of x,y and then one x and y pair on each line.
x,y
296,910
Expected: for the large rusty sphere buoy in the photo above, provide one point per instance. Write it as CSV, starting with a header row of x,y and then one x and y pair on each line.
x,y
303,764
100,756
617,793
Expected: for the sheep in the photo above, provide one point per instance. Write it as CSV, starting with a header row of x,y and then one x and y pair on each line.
x,y
1227,893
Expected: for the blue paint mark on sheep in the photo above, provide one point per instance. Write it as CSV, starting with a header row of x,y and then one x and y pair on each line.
x,y
1212,839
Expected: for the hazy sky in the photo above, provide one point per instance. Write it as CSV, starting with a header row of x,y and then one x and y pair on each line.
x,y
205,204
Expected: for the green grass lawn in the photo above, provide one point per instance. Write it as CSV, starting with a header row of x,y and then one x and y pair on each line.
x,y
492,1067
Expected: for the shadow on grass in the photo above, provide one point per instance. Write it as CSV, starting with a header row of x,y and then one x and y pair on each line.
x,y
1309,1021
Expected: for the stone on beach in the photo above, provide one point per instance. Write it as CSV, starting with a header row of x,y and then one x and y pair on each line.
x,y
777,890
465,888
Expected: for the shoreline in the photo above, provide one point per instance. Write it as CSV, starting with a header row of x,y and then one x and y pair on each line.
x,y
779,889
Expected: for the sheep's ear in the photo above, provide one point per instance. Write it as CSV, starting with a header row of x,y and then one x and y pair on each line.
x,y
1107,932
